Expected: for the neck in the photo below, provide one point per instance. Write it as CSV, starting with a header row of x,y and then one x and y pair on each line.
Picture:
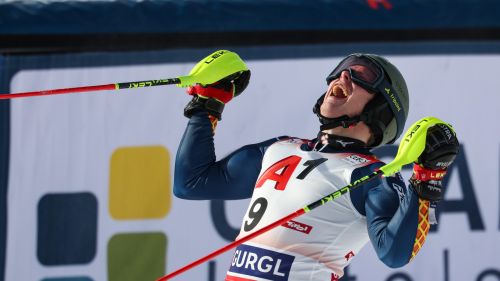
x,y
359,132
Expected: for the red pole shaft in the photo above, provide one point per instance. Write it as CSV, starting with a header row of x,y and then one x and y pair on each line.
x,y
106,87
233,244
60,91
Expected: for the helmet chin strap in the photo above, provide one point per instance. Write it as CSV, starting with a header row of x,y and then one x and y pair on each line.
x,y
342,121
373,116
336,140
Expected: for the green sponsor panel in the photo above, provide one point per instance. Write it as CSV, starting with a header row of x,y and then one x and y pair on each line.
x,y
137,256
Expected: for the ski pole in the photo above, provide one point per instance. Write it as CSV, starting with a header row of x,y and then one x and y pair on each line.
x,y
410,148
211,69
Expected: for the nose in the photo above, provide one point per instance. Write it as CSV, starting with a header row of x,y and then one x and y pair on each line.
x,y
345,75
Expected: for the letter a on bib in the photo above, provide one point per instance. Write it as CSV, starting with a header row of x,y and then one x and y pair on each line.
x,y
280,172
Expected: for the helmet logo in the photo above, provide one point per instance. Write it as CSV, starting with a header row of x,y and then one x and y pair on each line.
x,y
393,98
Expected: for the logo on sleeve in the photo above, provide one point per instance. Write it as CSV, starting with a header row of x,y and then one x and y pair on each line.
x,y
401,192
261,263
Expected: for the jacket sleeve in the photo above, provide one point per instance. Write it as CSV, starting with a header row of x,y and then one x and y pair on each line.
x,y
397,219
199,176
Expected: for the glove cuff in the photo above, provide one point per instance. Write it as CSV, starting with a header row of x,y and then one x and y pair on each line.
x,y
430,191
210,105
427,183
424,174
221,94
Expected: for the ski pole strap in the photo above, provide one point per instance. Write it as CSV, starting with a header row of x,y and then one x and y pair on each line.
x,y
423,174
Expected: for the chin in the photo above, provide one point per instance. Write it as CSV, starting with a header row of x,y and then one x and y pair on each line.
x,y
329,114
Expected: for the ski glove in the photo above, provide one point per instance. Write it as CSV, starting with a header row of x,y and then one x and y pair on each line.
x,y
212,98
441,148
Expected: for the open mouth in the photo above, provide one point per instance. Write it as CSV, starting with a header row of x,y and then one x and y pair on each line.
x,y
339,92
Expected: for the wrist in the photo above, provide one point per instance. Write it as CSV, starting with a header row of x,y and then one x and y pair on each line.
x,y
426,174
210,105
221,94
427,190
427,183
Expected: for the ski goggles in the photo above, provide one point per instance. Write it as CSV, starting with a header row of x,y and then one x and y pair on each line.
x,y
372,78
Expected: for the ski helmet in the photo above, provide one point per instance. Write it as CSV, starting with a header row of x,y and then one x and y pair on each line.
x,y
385,114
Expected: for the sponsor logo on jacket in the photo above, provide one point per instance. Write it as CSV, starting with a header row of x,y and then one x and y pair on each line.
x,y
261,263
355,160
300,227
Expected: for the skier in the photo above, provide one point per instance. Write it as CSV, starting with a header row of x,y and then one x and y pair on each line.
x,y
365,106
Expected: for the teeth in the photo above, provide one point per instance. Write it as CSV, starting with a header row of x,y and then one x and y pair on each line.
x,y
339,91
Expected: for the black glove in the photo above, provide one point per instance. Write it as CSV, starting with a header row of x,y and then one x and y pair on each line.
x,y
212,98
441,148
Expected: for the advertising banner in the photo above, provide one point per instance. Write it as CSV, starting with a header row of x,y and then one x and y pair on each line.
x,y
90,175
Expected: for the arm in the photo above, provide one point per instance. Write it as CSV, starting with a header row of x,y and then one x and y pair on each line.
x,y
398,217
392,214
199,176
197,173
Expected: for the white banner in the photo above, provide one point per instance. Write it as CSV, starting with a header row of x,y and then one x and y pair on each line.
x,y
80,145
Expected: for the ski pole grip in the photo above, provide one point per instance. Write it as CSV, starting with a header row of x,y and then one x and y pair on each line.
x,y
216,66
412,145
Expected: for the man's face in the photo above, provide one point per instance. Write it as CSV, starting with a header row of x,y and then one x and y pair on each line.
x,y
344,97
